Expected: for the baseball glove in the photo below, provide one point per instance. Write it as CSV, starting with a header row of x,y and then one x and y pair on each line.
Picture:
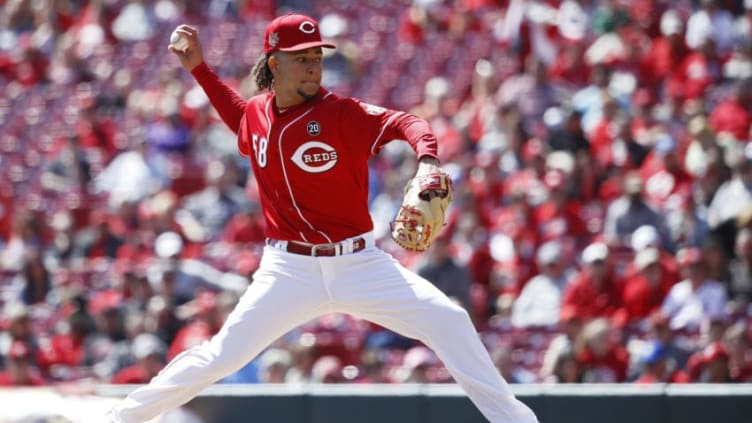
x,y
423,210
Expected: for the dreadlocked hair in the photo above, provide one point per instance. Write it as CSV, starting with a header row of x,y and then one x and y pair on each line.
x,y
262,75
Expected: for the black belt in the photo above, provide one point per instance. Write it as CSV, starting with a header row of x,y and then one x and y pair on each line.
x,y
325,250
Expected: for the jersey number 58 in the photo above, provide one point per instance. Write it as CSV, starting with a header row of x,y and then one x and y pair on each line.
x,y
260,145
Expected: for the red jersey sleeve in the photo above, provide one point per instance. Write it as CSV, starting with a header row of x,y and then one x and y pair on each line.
x,y
228,103
379,126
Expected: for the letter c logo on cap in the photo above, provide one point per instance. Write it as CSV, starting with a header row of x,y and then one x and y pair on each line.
x,y
308,27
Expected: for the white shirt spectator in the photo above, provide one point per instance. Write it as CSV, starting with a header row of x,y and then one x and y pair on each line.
x,y
688,308
130,176
743,24
719,27
731,198
539,302
574,20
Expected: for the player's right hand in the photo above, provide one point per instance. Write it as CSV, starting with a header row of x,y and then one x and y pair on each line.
x,y
192,55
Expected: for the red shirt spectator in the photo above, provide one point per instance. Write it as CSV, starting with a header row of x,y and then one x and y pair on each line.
x,y
663,173
206,324
570,67
665,51
245,228
603,359
732,115
699,71
20,369
646,288
710,365
594,291
558,216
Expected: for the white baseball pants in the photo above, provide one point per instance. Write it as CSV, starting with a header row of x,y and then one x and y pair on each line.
x,y
289,290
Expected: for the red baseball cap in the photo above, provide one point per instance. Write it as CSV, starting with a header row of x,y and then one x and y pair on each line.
x,y
293,32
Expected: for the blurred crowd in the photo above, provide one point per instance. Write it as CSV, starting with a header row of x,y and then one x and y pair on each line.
x,y
602,223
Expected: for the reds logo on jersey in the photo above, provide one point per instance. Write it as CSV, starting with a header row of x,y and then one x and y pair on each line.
x,y
315,157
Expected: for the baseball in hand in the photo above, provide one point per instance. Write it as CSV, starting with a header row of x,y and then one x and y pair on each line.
x,y
178,41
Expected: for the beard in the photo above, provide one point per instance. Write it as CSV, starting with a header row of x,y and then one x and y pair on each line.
x,y
305,96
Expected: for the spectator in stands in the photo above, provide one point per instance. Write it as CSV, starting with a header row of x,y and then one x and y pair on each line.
x,y
699,71
710,22
479,109
595,290
696,298
589,101
743,24
327,369
205,321
438,108
246,227
204,214
703,151
27,235
646,237
629,212
663,174
416,364
67,353
274,363
560,215
341,67
603,358
148,353
131,176
717,259
70,171
179,278
710,365
442,270
570,326
160,318
35,279
19,367
539,303
677,349
735,194
687,222
738,343
656,368
101,238
504,362
567,369
666,50
740,285
569,136
374,366
734,113
575,20
739,66
531,90
168,134
645,290
18,328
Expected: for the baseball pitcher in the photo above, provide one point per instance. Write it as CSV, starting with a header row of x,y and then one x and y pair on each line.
x,y
308,149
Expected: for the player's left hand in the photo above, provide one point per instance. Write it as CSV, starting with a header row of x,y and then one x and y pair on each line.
x,y
424,207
